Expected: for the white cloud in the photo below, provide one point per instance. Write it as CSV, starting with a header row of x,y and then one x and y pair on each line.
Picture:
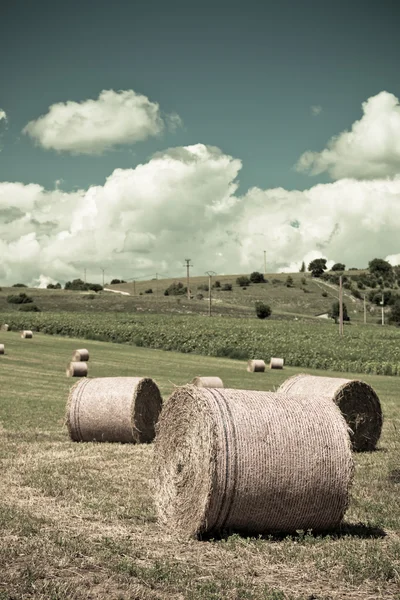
x,y
393,259
93,126
3,115
184,202
316,110
371,149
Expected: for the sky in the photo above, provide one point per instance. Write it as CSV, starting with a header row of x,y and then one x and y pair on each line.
x,y
136,135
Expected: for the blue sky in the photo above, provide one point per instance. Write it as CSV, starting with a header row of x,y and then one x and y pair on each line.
x,y
243,77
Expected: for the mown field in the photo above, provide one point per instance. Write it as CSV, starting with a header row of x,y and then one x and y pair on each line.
x,y
362,349
77,520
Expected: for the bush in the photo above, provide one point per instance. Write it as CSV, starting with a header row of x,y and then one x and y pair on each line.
x,y
54,286
338,267
29,308
20,299
324,294
176,289
227,287
257,277
243,281
149,291
304,281
334,312
289,281
19,285
216,284
203,286
263,311
394,315
114,281
199,297
357,294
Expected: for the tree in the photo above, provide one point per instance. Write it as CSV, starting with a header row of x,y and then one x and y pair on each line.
x,y
263,311
334,312
380,268
394,315
243,281
176,289
303,267
256,277
317,267
338,267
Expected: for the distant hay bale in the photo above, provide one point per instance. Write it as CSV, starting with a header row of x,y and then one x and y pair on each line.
x,y
26,334
2,349
276,363
81,355
77,369
250,461
357,401
254,366
208,382
5,327
113,409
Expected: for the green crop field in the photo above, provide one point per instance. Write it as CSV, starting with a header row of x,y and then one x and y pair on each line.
x,y
77,519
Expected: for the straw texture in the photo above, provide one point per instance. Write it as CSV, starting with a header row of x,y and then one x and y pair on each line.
x,y
276,363
250,461
77,369
2,349
113,409
5,327
357,401
255,366
208,382
27,334
81,355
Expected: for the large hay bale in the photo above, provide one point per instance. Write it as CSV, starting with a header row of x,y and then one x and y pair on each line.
x,y
276,363
254,366
2,349
250,461
208,382
81,355
77,369
26,334
113,409
5,327
357,401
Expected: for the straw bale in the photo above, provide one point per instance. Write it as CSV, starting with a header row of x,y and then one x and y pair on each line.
x,y
357,401
250,461
2,349
26,334
208,382
81,355
113,409
276,363
77,369
255,366
5,327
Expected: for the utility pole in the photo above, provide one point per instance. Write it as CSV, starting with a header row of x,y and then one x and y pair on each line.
x,y
265,262
365,311
210,274
383,312
340,306
187,260
134,287
103,275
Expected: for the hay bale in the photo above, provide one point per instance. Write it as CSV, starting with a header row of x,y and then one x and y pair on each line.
x,y
81,355
358,403
276,363
77,369
2,349
113,409
254,366
208,382
250,461
26,334
5,327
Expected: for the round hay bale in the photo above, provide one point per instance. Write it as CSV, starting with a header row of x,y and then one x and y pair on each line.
x,y
81,355
358,403
26,334
113,409
208,382
276,363
2,349
250,461
5,327
77,369
254,366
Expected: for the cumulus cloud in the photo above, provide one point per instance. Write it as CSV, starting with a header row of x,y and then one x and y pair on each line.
x,y
3,116
184,203
393,259
316,110
94,126
371,149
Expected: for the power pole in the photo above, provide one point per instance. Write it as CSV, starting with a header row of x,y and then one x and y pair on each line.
x,y
365,311
103,275
210,274
265,262
340,306
187,260
134,287
383,312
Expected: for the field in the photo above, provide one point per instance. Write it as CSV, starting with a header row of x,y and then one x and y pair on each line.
x,y
78,521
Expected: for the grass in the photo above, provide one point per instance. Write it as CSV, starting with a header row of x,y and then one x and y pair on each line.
x,y
78,522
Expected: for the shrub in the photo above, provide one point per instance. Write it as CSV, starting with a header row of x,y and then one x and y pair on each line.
x,y
149,291
304,281
394,315
54,286
216,284
176,289
95,287
324,294
20,299
19,285
227,287
257,277
199,296
338,267
334,312
113,281
203,286
289,281
243,281
29,308
263,311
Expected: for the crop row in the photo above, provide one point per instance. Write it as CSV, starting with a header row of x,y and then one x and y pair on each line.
x,y
363,349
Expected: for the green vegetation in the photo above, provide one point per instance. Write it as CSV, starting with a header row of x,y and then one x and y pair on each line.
x,y
20,299
317,267
334,313
263,311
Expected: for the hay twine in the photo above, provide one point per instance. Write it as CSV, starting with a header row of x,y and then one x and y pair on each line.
x,y
357,401
77,369
254,366
2,349
208,382
81,355
113,409
276,363
26,334
250,461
